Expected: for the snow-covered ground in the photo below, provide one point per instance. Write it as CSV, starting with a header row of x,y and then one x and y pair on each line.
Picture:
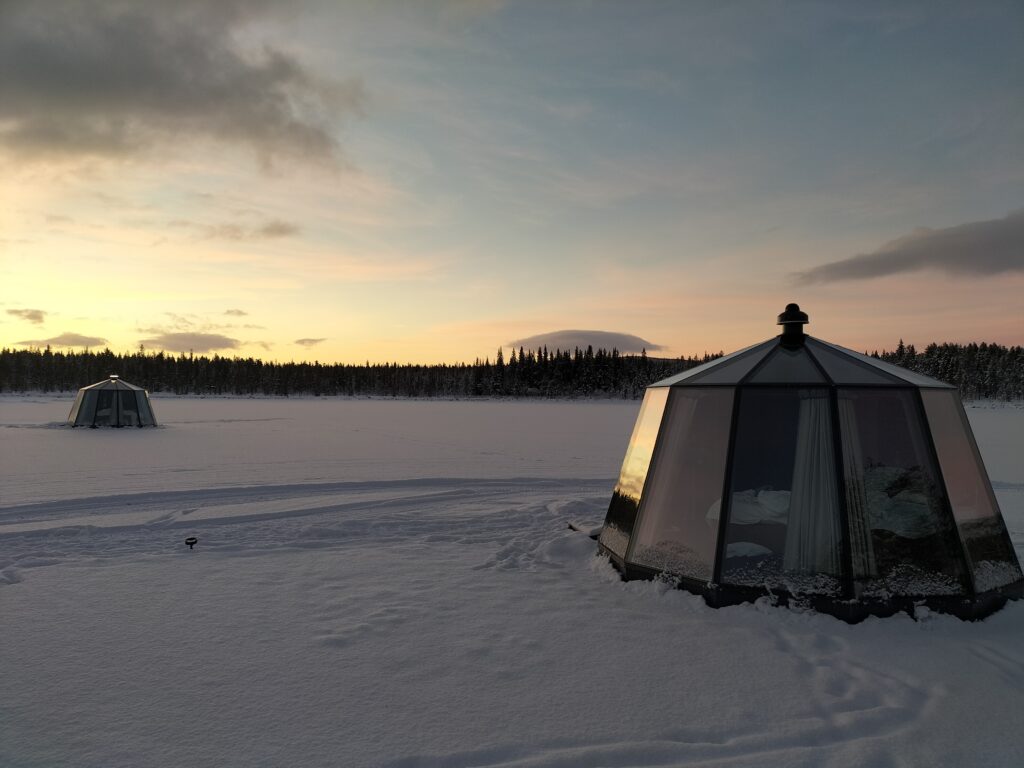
x,y
392,583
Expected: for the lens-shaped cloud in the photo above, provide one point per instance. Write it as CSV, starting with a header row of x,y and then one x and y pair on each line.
x,y
624,342
191,342
65,340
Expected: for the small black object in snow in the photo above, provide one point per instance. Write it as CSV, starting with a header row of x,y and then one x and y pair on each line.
x,y
191,541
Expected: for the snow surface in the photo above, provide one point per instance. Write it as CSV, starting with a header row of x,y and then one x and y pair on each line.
x,y
393,583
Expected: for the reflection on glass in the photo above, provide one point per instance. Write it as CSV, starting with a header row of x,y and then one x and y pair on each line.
x,y
73,416
783,519
686,477
902,539
618,525
105,408
974,507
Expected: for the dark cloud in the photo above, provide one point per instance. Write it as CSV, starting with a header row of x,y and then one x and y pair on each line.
x,y
978,248
36,316
268,230
309,342
624,342
191,342
114,78
65,340
236,312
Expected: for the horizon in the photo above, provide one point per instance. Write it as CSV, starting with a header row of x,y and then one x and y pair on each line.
x,y
486,359
422,184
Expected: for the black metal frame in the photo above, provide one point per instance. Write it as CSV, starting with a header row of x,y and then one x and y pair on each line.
x,y
716,595
725,505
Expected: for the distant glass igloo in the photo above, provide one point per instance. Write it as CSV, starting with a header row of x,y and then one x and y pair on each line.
x,y
851,483
112,403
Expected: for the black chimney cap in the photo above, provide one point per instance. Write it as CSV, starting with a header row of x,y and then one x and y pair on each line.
x,y
793,322
793,316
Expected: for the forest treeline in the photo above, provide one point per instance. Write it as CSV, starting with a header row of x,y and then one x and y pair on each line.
x,y
980,371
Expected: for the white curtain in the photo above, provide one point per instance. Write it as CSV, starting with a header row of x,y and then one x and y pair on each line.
x,y
861,551
813,530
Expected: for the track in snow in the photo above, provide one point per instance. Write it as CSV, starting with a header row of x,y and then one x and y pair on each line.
x,y
407,512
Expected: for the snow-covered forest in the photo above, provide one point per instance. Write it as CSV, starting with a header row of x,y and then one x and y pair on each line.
x,y
980,371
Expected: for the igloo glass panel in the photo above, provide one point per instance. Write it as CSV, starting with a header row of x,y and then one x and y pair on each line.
x,y
783,527
145,412
902,538
730,371
87,412
106,407
898,373
843,369
129,408
788,366
674,533
73,416
618,524
974,508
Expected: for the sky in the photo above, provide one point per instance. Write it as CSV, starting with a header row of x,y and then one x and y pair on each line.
x,y
430,181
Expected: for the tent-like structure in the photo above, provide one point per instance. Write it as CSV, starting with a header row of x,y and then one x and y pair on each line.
x,y
112,403
797,468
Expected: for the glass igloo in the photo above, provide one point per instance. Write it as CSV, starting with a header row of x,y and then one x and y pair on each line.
x,y
112,403
851,484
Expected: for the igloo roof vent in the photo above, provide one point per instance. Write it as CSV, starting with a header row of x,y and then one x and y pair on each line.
x,y
793,322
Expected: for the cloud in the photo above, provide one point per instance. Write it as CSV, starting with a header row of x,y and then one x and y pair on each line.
x,y
178,322
36,316
977,248
191,342
65,340
309,342
624,342
269,230
110,78
193,325
275,228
